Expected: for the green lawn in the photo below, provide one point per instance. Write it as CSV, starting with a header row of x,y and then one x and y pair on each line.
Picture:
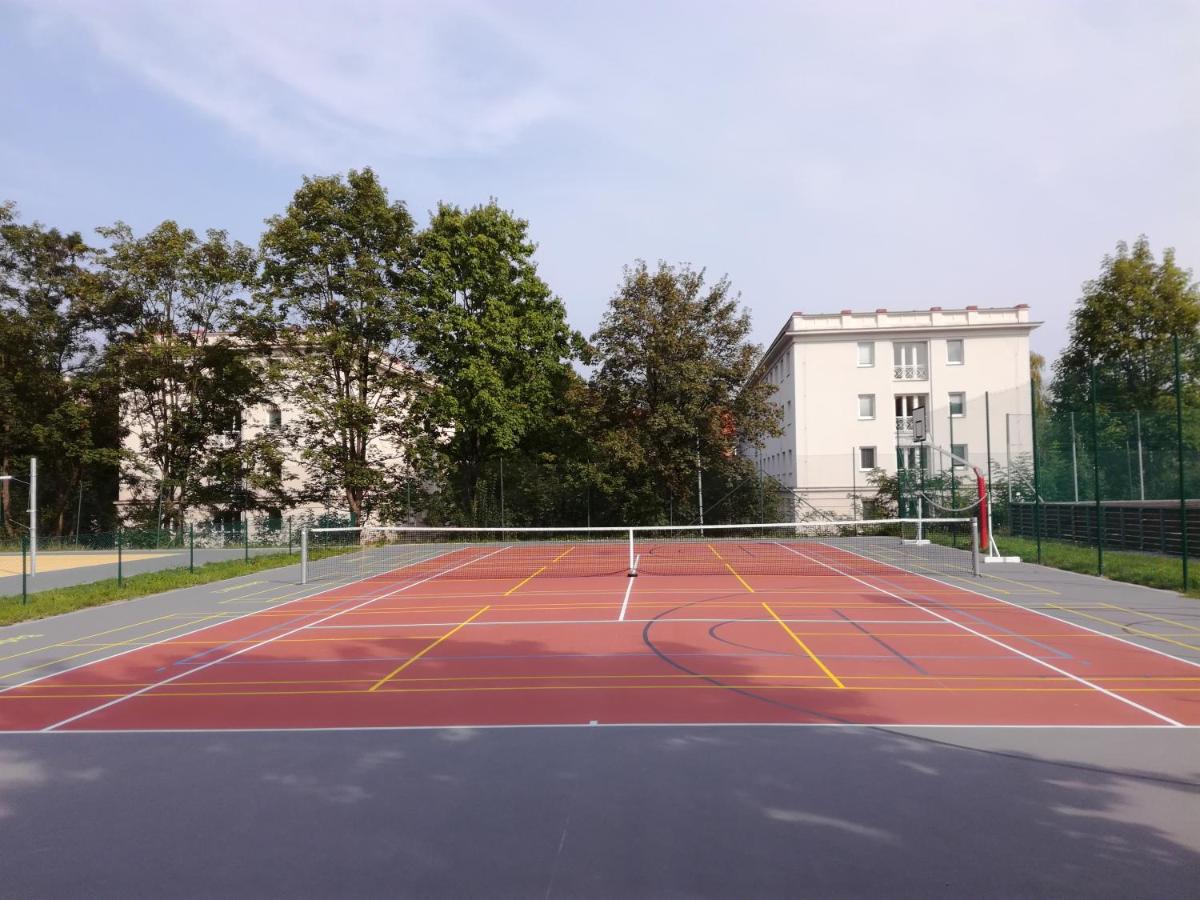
x,y
61,600
1147,569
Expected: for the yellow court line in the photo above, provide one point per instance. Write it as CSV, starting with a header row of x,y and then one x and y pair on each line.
x,y
86,637
408,662
62,659
1127,628
804,647
1024,584
1138,612
699,685
525,581
732,570
420,679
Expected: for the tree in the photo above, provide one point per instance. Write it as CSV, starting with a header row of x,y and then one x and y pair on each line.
x,y
55,402
495,342
1123,324
674,383
338,275
182,340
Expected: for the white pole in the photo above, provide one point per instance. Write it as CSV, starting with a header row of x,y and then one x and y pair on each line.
x,y
33,515
632,559
975,545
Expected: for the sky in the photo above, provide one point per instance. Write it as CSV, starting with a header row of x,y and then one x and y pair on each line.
x,y
821,155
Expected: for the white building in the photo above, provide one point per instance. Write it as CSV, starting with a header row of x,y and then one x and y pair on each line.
x,y
848,382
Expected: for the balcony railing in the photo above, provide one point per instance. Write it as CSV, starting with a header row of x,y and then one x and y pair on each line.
x,y
911,373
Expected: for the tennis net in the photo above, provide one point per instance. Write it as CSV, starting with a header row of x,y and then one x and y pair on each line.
x,y
864,547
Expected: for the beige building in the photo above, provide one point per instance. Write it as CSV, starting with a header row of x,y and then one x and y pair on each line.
x,y
848,383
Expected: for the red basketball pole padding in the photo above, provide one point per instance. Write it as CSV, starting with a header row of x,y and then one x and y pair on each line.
x,y
981,483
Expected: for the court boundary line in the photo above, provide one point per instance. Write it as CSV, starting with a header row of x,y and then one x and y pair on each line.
x,y
629,588
4,688
866,726
1046,615
191,671
988,638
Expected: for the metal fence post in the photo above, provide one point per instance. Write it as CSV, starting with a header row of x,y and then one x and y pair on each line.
x,y
120,567
304,556
1096,478
24,570
1183,522
191,548
1037,491
246,538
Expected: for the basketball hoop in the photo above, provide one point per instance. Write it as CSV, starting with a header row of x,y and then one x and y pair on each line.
x,y
920,425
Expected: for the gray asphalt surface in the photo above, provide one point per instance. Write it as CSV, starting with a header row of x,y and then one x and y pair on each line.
x,y
604,812
598,811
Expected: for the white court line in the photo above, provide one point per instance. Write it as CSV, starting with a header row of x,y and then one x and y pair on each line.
x,y
633,621
629,588
192,671
980,634
888,727
323,589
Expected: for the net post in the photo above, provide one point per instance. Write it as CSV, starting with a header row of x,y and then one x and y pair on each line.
x,y
304,556
632,562
975,545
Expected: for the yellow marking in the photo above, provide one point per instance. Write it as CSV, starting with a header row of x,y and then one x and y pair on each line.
x,y
803,646
43,686
1138,612
20,637
699,685
1127,628
85,637
732,570
63,659
408,662
517,586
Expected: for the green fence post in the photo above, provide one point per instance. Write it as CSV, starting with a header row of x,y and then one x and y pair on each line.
x,y
1183,522
120,568
1096,479
24,570
246,538
1037,490
191,548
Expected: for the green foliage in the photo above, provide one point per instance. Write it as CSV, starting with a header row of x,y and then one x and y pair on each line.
x,y
181,331
673,391
497,347
55,400
338,277
1123,324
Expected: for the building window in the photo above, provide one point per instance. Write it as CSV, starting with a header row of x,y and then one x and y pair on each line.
x,y
954,352
866,406
274,417
866,458
959,451
910,361
866,354
958,405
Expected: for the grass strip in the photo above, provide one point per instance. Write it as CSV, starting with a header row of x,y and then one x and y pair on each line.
x,y
56,601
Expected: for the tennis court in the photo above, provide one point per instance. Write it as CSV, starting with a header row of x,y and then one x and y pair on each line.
x,y
845,625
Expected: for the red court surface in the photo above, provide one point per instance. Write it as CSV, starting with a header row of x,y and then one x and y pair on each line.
x,y
434,648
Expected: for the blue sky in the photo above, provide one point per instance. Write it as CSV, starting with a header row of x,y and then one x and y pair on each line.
x,y
823,155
